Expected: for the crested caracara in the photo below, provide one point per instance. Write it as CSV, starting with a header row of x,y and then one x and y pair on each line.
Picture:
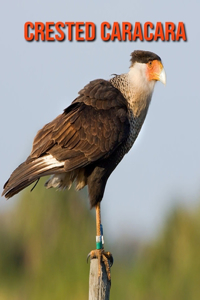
x,y
88,140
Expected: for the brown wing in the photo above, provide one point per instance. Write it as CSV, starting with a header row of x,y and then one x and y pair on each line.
x,y
91,128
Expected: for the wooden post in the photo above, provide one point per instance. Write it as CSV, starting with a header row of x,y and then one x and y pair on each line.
x,y
99,288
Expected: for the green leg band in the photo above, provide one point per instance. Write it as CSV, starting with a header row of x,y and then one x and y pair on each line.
x,y
98,245
98,242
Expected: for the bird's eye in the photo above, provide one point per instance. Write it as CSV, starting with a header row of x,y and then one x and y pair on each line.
x,y
150,63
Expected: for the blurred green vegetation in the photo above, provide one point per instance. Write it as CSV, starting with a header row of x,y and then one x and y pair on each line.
x,y
45,239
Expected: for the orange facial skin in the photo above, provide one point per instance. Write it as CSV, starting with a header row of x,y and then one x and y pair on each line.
x,y
154,69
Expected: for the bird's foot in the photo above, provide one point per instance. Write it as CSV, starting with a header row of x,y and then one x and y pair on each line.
x,y
103,257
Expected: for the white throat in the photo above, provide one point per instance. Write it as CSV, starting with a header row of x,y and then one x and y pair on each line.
x,y
136,88
138,79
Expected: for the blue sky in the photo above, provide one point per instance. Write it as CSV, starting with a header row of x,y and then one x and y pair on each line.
x,y
39,79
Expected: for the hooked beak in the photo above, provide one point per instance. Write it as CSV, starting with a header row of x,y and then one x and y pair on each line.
x,y
162,76
156,71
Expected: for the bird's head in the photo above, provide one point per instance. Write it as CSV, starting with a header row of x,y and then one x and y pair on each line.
x,y
148,65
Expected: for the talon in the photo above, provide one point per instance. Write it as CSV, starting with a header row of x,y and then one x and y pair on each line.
x,y
109,256
92,255
103,257
88,256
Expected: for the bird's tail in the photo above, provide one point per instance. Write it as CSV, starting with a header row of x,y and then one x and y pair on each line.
x,y
30,171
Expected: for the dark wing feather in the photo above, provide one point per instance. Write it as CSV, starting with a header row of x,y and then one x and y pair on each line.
x,y
91,128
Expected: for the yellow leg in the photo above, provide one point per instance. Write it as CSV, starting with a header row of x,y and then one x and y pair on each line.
x,y
98,219
98,227
105,257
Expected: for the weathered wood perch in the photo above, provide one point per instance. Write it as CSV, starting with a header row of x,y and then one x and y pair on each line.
x,y
99,288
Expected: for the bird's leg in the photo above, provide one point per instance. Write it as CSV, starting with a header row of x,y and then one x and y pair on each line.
x,y
98,227
105,257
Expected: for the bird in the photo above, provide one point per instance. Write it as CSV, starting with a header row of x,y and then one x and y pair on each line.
x,y
85,143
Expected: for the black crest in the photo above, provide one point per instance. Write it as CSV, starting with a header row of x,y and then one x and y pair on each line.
x,y
143,56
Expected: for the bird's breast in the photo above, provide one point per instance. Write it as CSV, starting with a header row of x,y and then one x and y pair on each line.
x,y
135,126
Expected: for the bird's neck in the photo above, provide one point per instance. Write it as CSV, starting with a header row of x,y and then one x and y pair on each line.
x,y
135,90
